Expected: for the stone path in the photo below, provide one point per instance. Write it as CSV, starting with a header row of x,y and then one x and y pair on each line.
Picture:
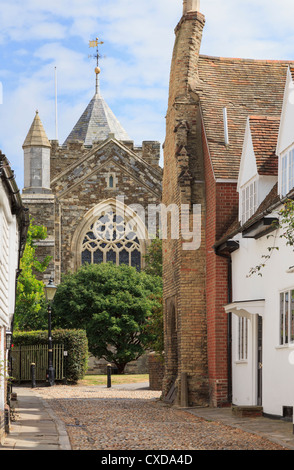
x,y
35,426
133,418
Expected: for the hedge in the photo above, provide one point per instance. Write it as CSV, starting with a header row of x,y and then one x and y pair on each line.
x,y
75,343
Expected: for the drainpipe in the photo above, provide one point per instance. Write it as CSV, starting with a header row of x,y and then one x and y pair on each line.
x,y
229,322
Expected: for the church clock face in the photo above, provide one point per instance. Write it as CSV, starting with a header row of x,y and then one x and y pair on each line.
x,y
111,238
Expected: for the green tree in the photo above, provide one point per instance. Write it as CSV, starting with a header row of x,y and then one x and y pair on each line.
x,y
30,309
154,327
155,324
153,258
112,303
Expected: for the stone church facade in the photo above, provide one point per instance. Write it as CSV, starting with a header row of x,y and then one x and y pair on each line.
x,y
210,99
85,191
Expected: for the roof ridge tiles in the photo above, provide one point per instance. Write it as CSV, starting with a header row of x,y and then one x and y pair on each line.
x,y
238,59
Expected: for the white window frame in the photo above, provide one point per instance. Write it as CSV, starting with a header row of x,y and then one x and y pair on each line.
x,y
286,317
286,171
248,203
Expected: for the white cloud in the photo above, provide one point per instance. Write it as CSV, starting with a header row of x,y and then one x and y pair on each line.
x,y
36,36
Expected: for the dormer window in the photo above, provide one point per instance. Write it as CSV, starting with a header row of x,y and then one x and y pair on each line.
x,y
286,172
248,201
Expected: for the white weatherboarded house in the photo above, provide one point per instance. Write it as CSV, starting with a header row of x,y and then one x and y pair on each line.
x,y
14,222
262,287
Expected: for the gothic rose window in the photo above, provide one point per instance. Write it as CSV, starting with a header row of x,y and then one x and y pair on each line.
x,y
111,238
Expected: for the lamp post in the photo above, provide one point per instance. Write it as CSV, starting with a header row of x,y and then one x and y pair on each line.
x,y
8,348
8,340
50,290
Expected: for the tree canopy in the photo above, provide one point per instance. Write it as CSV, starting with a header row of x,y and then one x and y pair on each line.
x,y
30,310
153,258
113,304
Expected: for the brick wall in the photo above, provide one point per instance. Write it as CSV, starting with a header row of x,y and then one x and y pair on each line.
x,y
183,183
156,371
222,206
195,282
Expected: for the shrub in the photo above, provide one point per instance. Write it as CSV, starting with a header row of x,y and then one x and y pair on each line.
x,y
75,343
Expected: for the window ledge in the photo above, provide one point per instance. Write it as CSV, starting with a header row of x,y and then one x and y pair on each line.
x,y
285,346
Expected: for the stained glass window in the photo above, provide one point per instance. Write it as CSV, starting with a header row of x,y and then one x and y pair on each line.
x,y
86,257
124,257
136,260
110,238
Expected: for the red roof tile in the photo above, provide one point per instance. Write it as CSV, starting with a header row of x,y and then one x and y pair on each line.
x,y
264,131
245,87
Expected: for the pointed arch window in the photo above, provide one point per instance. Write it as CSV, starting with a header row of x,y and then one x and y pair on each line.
x,y
111,238
111,181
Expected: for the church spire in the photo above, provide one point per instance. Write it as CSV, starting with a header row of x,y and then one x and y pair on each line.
x,y
36,136
98,121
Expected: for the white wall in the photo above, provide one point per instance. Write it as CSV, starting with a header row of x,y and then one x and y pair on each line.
x,y
8,265
2,359
248,168
277,371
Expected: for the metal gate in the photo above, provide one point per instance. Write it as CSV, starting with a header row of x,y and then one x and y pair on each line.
x,y
23,356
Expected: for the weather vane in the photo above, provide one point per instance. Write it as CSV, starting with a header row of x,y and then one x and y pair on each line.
x,y
97,56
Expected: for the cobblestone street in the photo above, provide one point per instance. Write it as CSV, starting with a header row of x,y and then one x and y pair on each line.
x,y
97,418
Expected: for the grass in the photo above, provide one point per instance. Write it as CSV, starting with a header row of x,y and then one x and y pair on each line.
x,y
115,379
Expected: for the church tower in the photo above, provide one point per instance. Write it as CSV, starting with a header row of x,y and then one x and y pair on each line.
x,y
97,172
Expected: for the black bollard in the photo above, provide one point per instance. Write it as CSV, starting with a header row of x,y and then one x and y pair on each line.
x,y
108,375
33,375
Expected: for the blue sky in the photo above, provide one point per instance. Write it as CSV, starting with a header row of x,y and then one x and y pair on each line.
x,y
138,35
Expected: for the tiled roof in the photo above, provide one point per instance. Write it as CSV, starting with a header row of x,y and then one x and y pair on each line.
x,y
245,87
36,136
96,123
264,131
